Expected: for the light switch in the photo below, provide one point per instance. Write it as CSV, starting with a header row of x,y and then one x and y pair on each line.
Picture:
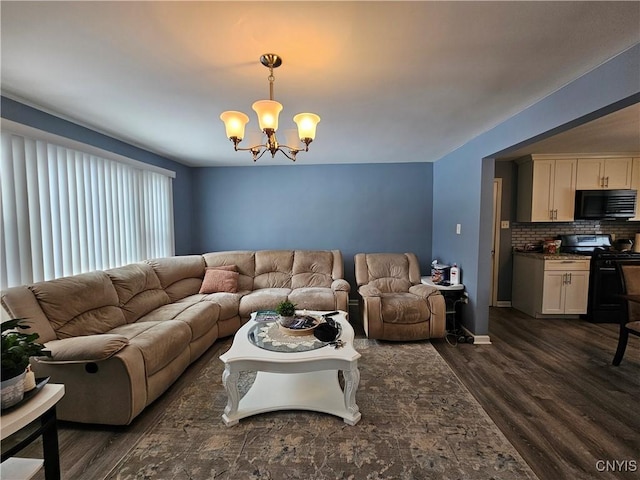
x,y
504,224
458,229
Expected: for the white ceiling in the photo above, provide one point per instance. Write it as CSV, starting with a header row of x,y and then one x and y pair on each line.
x,y
618,132
392,81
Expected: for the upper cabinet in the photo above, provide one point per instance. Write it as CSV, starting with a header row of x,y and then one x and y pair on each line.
x,y
604,173
546,189
547,183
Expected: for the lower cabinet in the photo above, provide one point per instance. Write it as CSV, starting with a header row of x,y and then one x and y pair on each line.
x,y
549,287
565,292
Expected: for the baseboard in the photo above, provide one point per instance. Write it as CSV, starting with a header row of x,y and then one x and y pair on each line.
x,y
503,304
478,339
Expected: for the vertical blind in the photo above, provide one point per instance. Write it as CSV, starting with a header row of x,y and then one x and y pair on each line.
x,y
66,212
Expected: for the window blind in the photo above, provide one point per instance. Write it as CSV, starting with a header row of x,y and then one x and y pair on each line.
x,y
65,211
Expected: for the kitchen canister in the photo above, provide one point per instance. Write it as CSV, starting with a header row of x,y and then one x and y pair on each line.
x,y
439,273
552,246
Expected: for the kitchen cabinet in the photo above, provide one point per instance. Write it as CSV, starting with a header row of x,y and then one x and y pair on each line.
x,y
546,189
545,287
604,173
564,291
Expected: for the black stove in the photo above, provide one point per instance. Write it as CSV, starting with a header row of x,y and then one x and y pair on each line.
x,y
598,245
585,244
604,280
614,255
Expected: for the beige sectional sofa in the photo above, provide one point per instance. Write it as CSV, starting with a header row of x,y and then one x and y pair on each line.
x,y
119,338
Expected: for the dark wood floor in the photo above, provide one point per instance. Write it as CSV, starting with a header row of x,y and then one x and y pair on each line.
x,y
548,384
550,387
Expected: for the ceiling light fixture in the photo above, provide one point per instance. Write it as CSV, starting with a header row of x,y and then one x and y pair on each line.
x,y
268,111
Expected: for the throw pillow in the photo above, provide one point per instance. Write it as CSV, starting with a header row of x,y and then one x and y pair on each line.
x,y
216,280
231,268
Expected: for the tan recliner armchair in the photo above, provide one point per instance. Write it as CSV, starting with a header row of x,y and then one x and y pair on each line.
x,y
393,303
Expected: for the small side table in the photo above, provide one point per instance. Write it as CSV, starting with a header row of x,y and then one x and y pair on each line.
x,y
36,417
453,295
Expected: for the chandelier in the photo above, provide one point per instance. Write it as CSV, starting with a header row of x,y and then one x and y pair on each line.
x,y
268,111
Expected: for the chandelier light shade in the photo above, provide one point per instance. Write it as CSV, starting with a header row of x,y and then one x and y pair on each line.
x,y
268,112
307,123
234,123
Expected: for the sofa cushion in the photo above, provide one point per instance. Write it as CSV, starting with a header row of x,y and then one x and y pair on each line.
x,y
84,304
179,276
229,303
159,342
313,298
263,299
404,308
20,302
138,288
391,285
312,269
219,280
244,261
273,269
388,272
201,317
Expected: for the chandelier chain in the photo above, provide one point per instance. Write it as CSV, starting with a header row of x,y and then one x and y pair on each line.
x,y
271,79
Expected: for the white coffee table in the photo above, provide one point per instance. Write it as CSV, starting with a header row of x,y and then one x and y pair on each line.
x,y
292,380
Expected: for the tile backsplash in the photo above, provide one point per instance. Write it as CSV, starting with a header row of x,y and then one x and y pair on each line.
x,y
523,233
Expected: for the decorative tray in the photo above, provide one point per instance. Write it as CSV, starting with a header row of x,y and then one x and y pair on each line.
x,y
269,336
299,325
40,382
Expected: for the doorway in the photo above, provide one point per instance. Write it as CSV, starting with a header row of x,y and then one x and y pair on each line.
x,y
495,241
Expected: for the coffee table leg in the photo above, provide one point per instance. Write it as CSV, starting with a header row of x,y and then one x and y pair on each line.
x,y
50,445
351,381
230,382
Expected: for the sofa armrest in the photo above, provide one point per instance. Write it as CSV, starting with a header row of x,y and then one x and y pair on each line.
x,y
438,319
369,291
89,348
423,290
340,285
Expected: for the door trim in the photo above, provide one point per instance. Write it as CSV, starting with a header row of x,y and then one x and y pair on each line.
x,y
495,244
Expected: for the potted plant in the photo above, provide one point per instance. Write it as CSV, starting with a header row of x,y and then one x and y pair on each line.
x,y
286,310
17,348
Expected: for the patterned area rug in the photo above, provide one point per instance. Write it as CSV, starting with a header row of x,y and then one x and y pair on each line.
x,y
418,422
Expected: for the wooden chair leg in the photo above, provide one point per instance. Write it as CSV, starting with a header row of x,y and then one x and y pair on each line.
x,y
622,345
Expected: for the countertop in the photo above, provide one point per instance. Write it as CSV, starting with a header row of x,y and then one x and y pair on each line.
x,y
553,256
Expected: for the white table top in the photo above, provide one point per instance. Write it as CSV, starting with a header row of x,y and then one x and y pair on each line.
x,y
17,418
427,281
243,350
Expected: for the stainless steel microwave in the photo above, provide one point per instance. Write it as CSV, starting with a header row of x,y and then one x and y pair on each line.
x,y
603,204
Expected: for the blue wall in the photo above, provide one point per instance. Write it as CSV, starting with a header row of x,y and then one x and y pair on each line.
x,y
370,207
613,85
182,198
353,208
